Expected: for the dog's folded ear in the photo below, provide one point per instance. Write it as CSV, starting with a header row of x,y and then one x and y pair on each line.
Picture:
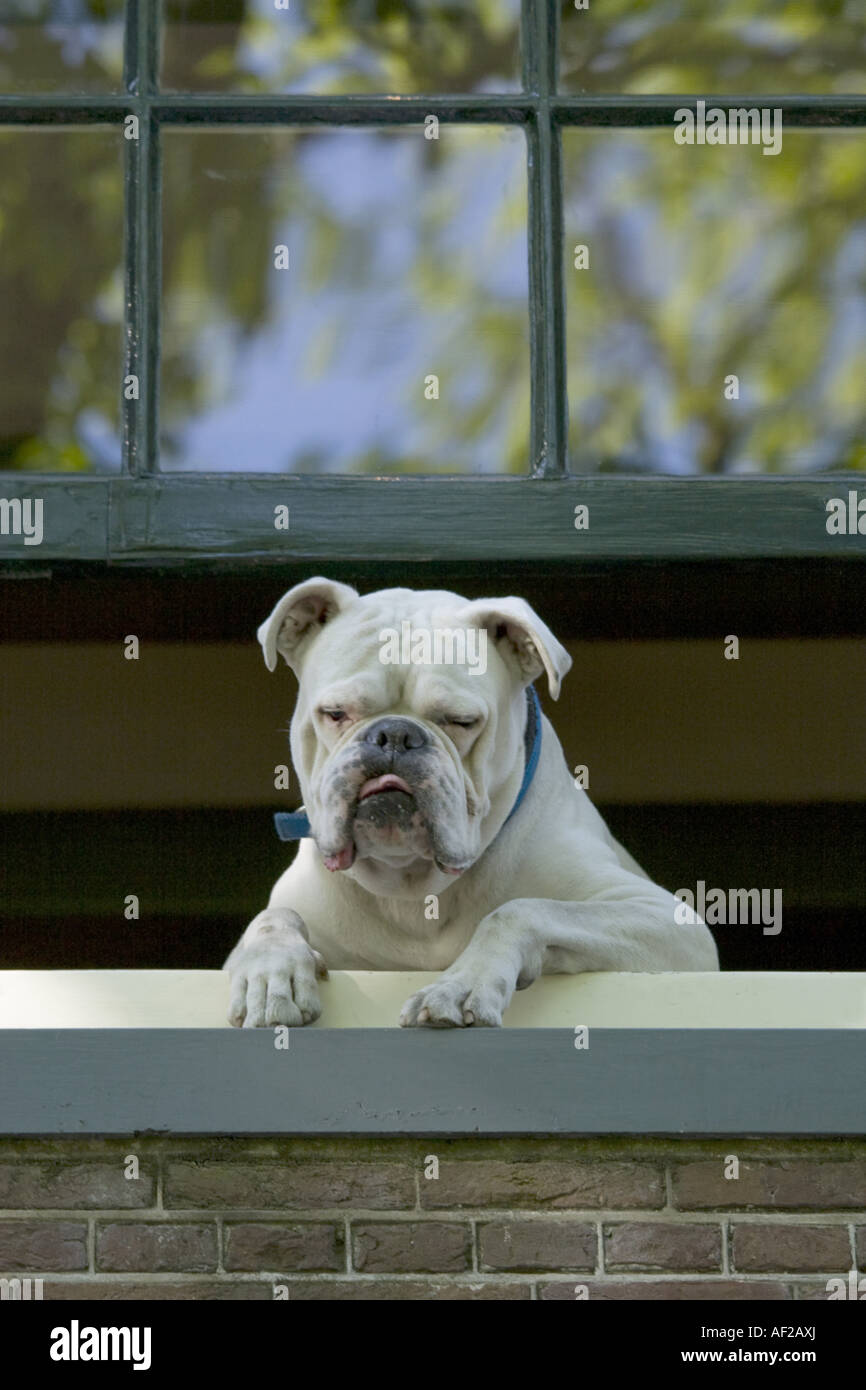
x,y
521,636
299,616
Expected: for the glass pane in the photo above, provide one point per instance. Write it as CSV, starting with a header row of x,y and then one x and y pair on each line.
x,y
700,46
720,324
61,288
406,277
327,46
61,45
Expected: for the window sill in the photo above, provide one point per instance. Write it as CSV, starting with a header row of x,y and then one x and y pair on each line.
x,y
789,1057
187,999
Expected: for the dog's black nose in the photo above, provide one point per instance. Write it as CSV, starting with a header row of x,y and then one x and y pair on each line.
x,y
400,735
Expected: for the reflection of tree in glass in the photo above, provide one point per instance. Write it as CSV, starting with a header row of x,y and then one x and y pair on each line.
x,y
61,291
707,262
713,46
61,45
342,45
408,257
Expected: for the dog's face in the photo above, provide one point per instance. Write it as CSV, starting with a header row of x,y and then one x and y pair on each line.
x,y
407,735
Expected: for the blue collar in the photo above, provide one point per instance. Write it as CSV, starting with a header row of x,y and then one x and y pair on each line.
x,y
295,825
531,746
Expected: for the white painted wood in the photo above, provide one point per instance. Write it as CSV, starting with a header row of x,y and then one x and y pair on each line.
x,y
372,999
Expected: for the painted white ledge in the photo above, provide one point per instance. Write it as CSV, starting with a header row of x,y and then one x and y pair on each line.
x,y
373,999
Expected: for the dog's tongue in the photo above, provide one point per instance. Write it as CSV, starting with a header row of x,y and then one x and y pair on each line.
x,y
388,783
342,860
447,868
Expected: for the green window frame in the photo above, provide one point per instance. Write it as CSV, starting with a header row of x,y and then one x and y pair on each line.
x,y
144,516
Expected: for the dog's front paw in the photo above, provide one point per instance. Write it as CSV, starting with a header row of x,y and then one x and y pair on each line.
x,y
272,985
457,1001
273,979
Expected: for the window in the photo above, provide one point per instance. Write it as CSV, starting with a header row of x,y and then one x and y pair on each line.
x,y
351,246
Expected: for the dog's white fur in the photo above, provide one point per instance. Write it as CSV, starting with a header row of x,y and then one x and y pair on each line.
x,y
550,891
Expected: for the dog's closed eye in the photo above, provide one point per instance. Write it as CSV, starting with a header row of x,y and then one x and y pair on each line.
x,y
336,716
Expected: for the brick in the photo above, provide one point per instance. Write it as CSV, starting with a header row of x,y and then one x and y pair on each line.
x,y
34,1246
533,1245
860,1236
156,1246
669,1290
546,1184
651,1245
35,1186
152,1291
306,1186
254,1246
405,1290
413,1247
787,1186
790,1249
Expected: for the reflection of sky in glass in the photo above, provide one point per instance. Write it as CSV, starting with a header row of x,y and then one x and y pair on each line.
x,y
416,46
705,263
427,273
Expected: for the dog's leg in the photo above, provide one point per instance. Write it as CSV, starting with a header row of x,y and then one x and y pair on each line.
x,y
273,972
528,937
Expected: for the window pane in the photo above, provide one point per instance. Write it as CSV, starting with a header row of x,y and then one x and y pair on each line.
x,y
61,288
407,275
342,46
698,46
706,264
61,45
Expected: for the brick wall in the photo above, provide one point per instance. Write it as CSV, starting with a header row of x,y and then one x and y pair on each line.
x,y
359,1218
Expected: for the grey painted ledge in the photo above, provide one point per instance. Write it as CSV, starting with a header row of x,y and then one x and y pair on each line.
x,y
386,1081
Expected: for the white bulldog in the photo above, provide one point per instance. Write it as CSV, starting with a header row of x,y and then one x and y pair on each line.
x,y
445,829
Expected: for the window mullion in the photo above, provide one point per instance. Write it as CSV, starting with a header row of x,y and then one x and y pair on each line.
x,y
143,239
546,302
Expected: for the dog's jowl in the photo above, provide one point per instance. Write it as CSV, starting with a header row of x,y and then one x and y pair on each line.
x,y
434,780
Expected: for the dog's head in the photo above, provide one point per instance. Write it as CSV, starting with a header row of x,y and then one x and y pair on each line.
x,y
407,736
